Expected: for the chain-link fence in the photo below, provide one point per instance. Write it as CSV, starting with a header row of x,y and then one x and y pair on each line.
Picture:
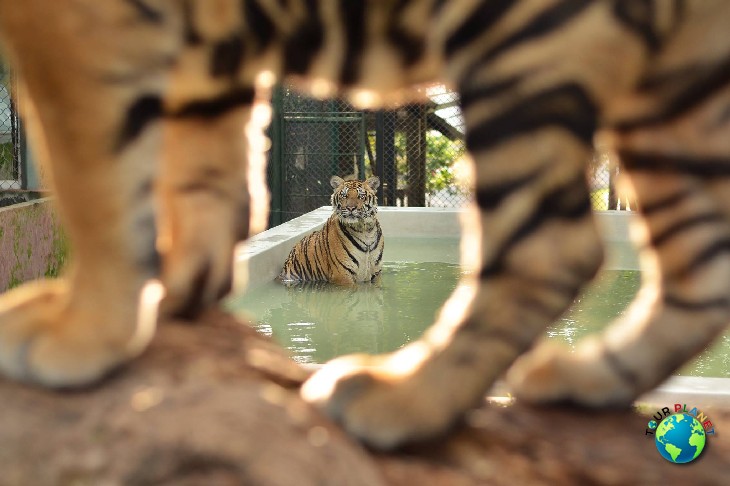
x,y
9,136
416,150
603,177
311,141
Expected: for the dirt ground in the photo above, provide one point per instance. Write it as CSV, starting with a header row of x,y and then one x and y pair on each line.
x,y
216,404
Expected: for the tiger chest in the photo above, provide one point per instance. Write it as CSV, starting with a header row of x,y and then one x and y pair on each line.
x,y
365,254
369,265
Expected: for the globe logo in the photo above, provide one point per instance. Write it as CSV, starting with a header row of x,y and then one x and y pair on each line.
x,y
680,438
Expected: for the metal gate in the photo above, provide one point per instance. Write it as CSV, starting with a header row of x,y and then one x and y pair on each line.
x,y
413,149
311,141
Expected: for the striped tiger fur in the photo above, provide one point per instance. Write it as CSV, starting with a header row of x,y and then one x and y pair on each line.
x,y
138,107
349,247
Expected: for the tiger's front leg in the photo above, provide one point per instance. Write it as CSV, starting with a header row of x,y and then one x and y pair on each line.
x,y
205,204
531,200
98,132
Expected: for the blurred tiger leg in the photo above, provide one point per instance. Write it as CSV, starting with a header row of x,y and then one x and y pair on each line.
x,y
683,232
205,204
97,131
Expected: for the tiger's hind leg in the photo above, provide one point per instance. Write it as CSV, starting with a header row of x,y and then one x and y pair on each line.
x,y
92,115
684,302
680,170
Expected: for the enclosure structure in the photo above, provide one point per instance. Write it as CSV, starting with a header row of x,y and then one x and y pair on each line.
x,y
414,149
417,151
10,143
19,181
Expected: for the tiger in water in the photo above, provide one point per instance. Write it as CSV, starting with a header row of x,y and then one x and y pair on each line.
x,y
138,107
349,247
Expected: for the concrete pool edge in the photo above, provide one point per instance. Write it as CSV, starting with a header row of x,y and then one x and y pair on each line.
x,y
691,390
264,254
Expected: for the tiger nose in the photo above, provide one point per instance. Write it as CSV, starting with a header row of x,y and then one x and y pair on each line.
x,y
351,207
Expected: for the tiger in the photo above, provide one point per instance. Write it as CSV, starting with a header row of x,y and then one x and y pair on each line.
x,y
348,249
138,109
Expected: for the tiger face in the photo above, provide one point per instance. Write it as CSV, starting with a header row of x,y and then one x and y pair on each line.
x,y
354,201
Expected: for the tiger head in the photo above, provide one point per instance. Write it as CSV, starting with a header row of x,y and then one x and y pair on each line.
x,y
354,201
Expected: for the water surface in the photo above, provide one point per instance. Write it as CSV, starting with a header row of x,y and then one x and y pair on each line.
x,y
318,322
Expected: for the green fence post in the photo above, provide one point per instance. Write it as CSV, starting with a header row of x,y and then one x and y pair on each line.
x,y
29,178
275,159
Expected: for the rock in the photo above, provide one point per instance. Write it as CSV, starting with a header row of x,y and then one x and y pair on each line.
x,y
216,403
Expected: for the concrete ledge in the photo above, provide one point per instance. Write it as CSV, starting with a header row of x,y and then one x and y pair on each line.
x,y
693,390
260,258
419,222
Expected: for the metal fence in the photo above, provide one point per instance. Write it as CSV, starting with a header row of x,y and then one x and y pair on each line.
x,y
10,168
603,177
416,150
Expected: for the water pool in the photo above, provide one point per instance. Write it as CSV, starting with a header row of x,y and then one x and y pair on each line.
x,y
317,322
259,260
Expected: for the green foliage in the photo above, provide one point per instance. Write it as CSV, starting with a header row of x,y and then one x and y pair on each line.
x,y
599,199
59,253
441,154
6,160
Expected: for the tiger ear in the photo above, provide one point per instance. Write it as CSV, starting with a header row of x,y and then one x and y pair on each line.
x,y
336,182
373,182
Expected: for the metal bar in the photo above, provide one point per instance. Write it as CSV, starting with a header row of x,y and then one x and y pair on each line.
x,y
379,151
275,171
385,153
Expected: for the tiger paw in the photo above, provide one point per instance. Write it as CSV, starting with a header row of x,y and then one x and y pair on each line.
x,y
381,409
197,270
552,374
43,340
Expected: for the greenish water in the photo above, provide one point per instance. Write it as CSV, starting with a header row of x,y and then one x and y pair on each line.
x,y
318,322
